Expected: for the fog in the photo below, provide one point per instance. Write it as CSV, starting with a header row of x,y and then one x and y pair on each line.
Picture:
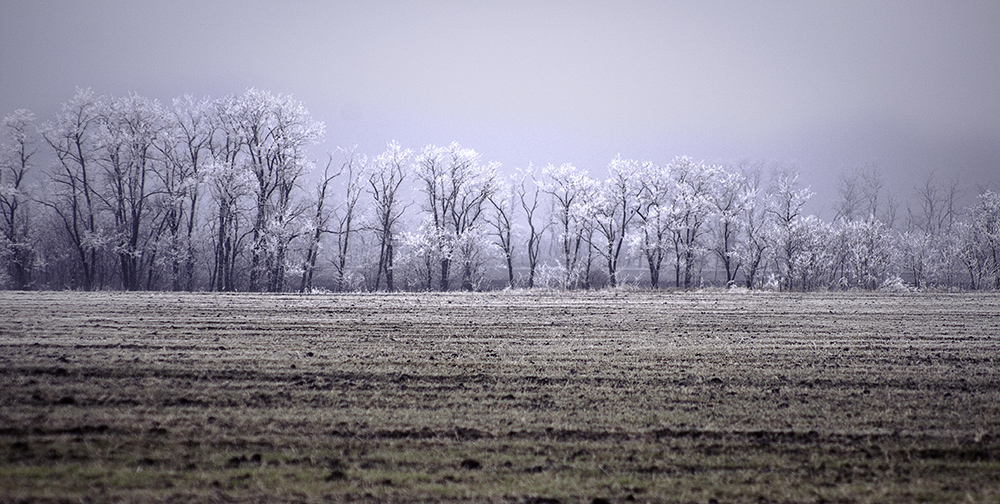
x,y
907,86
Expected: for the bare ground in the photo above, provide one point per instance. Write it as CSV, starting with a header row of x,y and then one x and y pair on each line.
x,y
526,397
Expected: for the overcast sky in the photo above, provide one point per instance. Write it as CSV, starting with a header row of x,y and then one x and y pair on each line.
x,y
908,85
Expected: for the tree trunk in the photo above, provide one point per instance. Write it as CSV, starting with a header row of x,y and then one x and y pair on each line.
x,y
445,280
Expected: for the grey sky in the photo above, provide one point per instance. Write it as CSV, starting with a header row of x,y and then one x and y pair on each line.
x,y
909,85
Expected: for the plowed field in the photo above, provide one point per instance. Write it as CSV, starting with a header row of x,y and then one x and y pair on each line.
x,y
525,397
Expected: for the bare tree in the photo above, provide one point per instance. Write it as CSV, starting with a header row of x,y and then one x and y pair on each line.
x,y
502,223
935,211
848,207
529,199
872,187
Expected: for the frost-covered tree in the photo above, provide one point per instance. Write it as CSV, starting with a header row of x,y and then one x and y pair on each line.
x,y
986,217
785,201
470,224
754,220
869,250
476,251
185,146
813,258
72,136
656,221
388,171
571,192
275,130
431,168
419,256
230,185
316,226
141,196
917,256
457,187
130,129
355,168
18,146
690,207
730,199
970,253
980,249
616,205
930,244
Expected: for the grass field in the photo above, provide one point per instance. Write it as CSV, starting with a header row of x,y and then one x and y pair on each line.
x,y
522,397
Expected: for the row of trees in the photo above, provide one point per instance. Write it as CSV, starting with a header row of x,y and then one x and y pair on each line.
x,y
121,204
221,195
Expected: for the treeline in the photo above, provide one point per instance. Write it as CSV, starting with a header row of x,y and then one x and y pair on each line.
x,y
220,195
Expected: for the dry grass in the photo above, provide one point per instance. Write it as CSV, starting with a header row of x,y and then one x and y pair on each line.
x,y
503,397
